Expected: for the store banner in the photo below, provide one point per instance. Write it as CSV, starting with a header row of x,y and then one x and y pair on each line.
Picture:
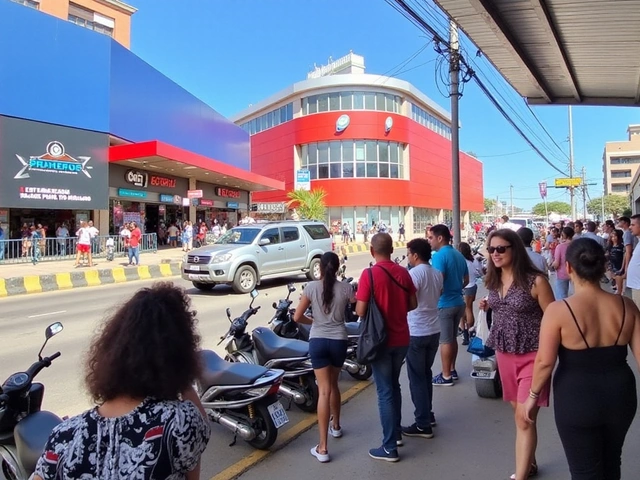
x,y
543,189
53,167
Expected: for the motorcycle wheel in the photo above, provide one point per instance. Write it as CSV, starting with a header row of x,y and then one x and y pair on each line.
x,y
264,426
489,388
363,374
308,383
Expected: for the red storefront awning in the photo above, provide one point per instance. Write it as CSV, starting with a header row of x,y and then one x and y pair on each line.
x,y
155,156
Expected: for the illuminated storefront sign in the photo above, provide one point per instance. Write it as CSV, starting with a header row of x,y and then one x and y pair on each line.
x,y
227,192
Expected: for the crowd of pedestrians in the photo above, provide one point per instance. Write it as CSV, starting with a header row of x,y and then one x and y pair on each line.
x,y
582,328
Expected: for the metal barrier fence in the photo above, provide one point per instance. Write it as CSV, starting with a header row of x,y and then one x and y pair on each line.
x,y
54,249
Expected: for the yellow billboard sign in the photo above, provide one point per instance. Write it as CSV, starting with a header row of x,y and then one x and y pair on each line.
x,y
568,182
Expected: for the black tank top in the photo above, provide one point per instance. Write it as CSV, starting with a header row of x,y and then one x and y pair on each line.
x,y
596,359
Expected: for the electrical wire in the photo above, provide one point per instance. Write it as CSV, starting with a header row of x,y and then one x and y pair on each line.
x,y
505,154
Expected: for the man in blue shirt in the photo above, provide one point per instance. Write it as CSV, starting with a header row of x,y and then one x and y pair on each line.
x,y
451,305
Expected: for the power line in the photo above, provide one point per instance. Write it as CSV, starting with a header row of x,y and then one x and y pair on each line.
x,y
505,154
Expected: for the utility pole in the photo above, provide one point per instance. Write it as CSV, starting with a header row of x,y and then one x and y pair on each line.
x,y
573,200
511,194
584,193
454,71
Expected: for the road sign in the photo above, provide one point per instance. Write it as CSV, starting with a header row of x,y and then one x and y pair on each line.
x,y
303,179
568,182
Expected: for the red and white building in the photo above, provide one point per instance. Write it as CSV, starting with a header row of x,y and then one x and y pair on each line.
x,y
377,145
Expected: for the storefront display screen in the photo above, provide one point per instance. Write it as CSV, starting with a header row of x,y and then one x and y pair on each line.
x,y
54,167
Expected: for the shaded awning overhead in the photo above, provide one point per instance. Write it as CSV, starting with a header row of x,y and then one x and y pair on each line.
x,y
159,157
558,51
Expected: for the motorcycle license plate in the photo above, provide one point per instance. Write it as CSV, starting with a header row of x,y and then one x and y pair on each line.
x,y
278,415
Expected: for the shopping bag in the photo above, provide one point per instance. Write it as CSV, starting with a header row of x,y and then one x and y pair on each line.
x,y
477,344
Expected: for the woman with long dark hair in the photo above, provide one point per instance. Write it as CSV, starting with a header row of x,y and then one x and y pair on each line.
x,y
148,422
594,388
470,290
327,344
518,295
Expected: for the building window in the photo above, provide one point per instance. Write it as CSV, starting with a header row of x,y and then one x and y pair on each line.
x,y
620,188
431,122
624,160
349,159
269,120
92,20
621,174
29,3
382,102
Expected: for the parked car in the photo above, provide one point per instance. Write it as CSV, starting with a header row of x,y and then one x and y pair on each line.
x,y
246,254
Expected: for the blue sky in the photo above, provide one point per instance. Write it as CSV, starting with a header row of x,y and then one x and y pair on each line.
x,y
234,53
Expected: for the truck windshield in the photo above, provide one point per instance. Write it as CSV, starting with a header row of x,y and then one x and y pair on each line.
x,y
242,236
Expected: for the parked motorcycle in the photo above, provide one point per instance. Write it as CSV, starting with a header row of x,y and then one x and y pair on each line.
x,y
24,428
284,326
264,347
242,397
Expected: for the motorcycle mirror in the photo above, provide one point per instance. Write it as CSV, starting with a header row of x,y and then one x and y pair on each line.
x,y
274,305
229,313
51,330
254,293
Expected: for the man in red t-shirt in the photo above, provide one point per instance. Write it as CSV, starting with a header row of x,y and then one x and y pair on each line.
x,y
134,244
395,295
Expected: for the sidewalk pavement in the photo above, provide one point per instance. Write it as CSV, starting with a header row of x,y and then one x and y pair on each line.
x,y
48,276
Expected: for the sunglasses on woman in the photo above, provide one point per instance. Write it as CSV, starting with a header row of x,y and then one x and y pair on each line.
x,y
500,249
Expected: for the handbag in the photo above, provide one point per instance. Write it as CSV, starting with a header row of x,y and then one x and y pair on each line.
x,y
373,334
477,344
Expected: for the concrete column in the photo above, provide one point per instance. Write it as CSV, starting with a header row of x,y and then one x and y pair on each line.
x,y
192,209
408,223
101,221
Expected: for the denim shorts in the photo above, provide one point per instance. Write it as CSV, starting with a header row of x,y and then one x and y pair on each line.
x,y
471,291
326,352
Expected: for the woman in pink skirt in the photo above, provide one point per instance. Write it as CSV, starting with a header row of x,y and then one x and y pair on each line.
x,y
518,296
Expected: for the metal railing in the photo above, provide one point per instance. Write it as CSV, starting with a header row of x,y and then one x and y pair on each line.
x,y
54,249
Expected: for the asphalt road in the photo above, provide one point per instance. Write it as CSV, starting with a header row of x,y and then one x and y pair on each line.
x,y
23,321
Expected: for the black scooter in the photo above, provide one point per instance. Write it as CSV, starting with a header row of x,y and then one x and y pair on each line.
x,y
24,428
263,347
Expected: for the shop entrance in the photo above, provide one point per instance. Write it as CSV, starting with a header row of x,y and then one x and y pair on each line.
x,y
152,218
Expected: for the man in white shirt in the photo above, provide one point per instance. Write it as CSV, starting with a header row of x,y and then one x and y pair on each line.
x,y
633,269
62,234
507,224
94,232
538,260
424,331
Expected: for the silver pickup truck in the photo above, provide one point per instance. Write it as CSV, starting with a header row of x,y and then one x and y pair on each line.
x,y
246,254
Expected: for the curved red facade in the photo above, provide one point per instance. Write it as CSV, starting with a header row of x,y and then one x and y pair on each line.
x,y
428,156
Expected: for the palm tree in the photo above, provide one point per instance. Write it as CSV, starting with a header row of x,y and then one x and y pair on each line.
x,y
309,203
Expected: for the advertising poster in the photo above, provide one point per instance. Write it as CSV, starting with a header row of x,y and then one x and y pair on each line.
x,y
118,218
53,167
129,217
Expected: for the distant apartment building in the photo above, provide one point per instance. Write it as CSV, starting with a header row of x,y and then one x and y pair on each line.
x,y
109,17
620,162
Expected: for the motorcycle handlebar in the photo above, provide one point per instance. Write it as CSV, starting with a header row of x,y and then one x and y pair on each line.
x,y
40,364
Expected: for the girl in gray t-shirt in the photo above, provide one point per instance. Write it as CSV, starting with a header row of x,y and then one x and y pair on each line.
x,y
327,343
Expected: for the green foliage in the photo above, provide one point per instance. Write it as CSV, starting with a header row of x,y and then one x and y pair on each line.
x,y
489,205
310,204
562,208
475,217
615,205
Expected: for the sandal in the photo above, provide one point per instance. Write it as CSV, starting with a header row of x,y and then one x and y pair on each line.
x,y
533,471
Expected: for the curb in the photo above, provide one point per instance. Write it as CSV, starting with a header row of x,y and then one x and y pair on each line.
x,y
89,278
364,247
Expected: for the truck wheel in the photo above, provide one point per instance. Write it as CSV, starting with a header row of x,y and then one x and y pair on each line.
x,y
245,279
205,287
314,270
489,388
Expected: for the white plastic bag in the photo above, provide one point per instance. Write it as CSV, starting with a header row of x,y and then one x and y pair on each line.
x,y
482,328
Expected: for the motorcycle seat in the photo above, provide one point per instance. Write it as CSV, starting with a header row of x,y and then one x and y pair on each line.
x,y
218,372
270,346
353,328
31,435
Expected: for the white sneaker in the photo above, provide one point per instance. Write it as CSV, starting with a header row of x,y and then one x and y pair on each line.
x,y
335,433
322,457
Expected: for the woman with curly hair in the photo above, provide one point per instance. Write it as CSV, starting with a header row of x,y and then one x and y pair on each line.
x,y
148,422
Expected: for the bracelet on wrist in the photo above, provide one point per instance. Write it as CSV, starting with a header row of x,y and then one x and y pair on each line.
x,y
533,394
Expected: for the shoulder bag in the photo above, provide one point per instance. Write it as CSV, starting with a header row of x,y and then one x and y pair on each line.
x,y
373,335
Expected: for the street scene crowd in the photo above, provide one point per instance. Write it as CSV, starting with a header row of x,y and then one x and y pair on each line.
x,y
149,422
